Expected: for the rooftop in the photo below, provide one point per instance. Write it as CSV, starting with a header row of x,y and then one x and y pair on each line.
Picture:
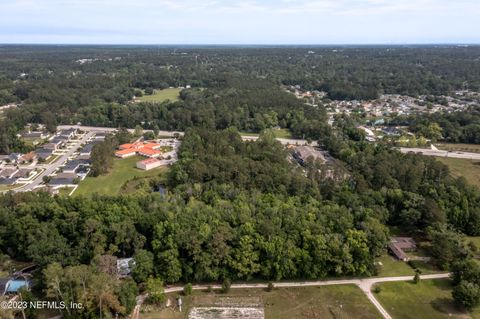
x,y
149,161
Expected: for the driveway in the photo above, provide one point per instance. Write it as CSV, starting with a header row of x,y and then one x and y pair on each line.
x,y
51,168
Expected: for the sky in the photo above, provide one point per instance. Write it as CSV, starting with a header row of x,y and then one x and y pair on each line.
x,y
240,22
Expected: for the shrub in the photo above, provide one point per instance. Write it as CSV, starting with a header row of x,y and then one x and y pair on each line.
x,y
187,289
226,285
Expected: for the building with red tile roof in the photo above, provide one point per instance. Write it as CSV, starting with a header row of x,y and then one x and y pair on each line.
x,y
149,149
126,153
148,152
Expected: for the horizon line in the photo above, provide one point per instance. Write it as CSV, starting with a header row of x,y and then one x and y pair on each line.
x,y
247,44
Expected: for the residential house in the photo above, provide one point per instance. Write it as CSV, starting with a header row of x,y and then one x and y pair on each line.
x,y
23,174
63,179
28,158
14,157
87,149
400,245
44,153
304,153
69,134
7,181
76,164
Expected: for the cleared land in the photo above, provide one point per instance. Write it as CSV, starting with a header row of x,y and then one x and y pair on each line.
x,y
161,95
65,191
280,133
392,267
428,299
472,148
110,184
343,301
465,168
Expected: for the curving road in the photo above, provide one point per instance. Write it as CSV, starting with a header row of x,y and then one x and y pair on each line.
x,y
364,284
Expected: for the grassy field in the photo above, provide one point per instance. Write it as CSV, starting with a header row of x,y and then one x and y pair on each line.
x,y
428,299
463,167
52,159
161,95
343,301
110,184
65,191
10,187
280,133
472,148
475,240
390,266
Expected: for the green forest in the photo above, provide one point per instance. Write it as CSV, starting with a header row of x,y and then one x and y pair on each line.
x,y
234,210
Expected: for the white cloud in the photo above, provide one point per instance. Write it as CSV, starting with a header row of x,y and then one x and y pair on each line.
x,y
235,21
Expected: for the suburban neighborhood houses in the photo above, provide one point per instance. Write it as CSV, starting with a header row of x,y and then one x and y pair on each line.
x,y
62,160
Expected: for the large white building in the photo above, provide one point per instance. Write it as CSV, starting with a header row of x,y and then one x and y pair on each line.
x,y
149,164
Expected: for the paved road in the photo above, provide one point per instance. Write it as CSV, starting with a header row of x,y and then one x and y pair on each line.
x,y
284,141
49,169
440,153
364,284
112,130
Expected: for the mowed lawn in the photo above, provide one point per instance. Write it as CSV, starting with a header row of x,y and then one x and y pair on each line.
x,y
390,266
327,302
123,170
429,299
171,94
279,133
463,167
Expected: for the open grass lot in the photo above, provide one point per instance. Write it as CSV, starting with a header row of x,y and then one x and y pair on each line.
x,y
161,95
428,299
472,148
31,141
475,240
4,188
390,266
343,301
282,133
279,133
65,191
463,167
110,184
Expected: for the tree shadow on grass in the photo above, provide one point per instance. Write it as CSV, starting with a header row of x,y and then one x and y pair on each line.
x,y
446,306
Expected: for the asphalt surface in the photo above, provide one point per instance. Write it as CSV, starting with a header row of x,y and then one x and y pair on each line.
x,y
51,168
440,153
284,141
